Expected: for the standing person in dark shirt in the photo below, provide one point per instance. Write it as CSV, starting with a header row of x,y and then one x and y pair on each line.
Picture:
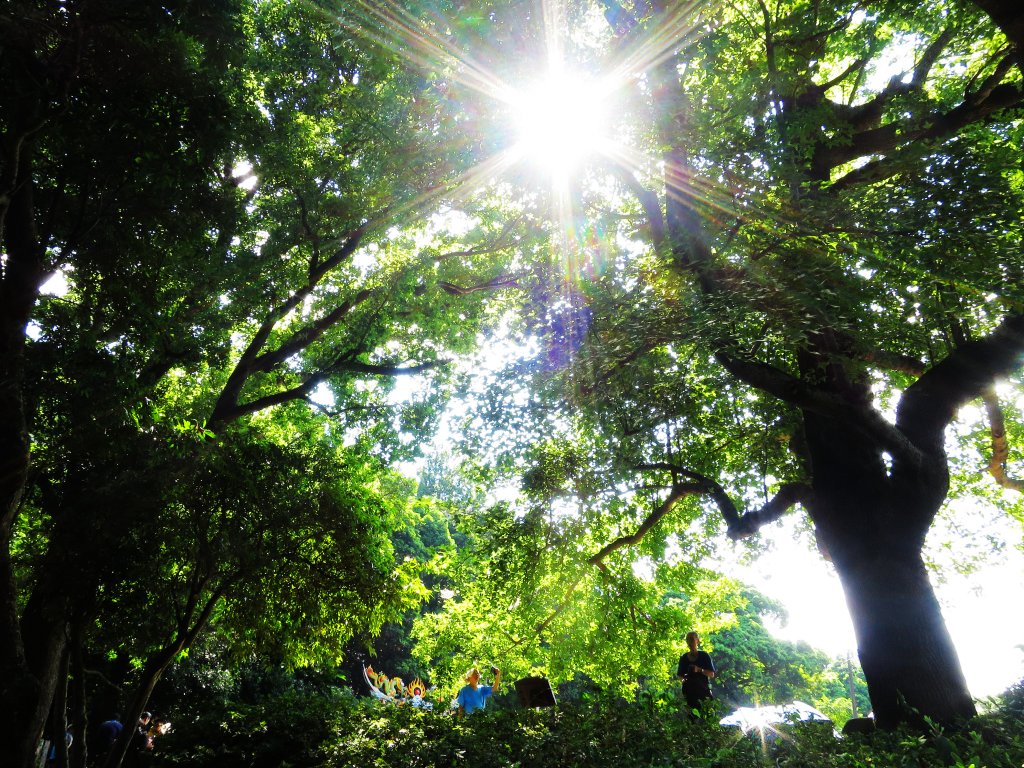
x,y
696,670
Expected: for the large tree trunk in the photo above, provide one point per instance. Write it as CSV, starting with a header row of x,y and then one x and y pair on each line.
x,y
28,670
906,652
79,754
872,520
59,714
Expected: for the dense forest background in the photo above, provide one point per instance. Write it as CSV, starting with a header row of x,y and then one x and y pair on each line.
x,y
265,262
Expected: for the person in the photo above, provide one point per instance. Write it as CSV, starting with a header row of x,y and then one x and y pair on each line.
x,y
473,696
108,732
145,741
51,756
696,670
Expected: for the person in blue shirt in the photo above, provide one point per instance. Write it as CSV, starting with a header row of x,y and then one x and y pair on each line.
x,y
108,732
473,696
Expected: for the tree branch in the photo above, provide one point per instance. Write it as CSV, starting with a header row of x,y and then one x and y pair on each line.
x,y
742,525
930,404
310,381
1000,445
501,281
679,491
990,82
856,66
648,201
226,404
303,337
908,145
788,496
498,243
1009,17
798,394
892,361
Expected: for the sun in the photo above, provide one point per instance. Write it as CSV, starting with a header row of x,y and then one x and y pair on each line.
x,y
560,121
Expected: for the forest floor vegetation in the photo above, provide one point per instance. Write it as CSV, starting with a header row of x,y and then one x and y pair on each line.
x,y
334,729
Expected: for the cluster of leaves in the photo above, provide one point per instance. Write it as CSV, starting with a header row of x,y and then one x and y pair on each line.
x,y
312,725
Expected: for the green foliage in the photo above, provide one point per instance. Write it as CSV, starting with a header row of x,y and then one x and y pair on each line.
x,y
211,404
302,725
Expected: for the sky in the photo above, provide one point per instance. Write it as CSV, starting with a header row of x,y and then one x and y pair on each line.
x,y
982,610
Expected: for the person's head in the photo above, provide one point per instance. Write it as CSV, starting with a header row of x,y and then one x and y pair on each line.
x,y
144,718
692,640
473,676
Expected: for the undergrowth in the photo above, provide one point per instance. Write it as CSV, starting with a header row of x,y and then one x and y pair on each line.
x,y
333,729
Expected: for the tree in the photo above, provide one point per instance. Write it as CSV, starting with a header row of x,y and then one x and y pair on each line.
x,y
830,271
81,95
770,267
871,486
201,294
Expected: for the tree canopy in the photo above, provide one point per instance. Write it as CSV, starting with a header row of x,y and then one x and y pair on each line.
x,y
789,263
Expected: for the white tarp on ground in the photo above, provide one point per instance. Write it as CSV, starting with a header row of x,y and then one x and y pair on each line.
x,y
758,718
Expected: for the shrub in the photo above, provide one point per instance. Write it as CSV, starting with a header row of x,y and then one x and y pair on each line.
x,y
330,728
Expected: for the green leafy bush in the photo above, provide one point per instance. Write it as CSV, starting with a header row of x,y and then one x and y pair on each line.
x,y
331,728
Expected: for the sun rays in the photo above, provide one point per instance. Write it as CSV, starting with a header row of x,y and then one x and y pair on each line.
x,y
559,121
563,102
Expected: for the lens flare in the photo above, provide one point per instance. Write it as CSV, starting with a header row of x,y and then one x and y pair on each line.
x,y
560,121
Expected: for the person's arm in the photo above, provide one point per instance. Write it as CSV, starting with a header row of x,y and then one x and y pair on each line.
x,y
707,666
497,679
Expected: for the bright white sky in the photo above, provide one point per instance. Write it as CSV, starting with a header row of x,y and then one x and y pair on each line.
x,y
982,610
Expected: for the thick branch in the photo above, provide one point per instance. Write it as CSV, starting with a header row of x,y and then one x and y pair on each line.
x,y
648,201
892,361
227,402
679,491
788,496
311,381
865,117
746,524
1009,17
303,337
855,68
900,146
797,393
930,404
931,55
990,82
1000,445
